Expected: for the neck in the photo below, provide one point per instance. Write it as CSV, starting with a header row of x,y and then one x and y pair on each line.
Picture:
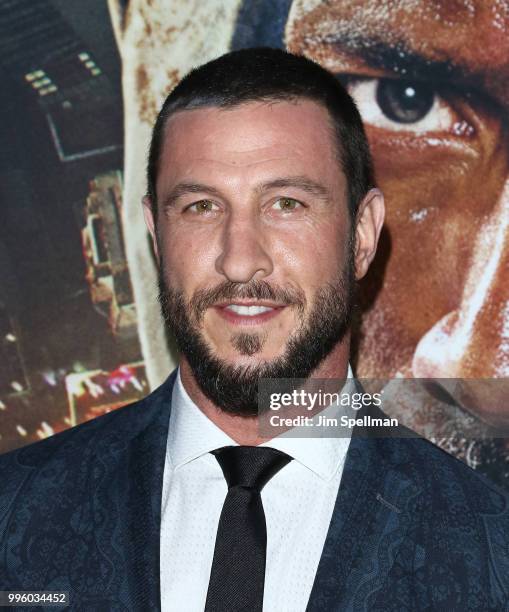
x,y
245,430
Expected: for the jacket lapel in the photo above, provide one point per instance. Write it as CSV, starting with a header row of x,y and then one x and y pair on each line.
x,y
375,506
131,507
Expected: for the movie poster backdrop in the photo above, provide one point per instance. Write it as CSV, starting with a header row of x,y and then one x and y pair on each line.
x,y
80,329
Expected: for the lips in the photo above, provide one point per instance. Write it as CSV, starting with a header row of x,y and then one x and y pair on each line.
x,y
248,314
249,311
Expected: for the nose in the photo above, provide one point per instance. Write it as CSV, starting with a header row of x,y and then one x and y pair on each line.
x,y
244,254
472,342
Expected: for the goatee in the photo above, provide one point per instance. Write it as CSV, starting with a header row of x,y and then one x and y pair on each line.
x,y
234,388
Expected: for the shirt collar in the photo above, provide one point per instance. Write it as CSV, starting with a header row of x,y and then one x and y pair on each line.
x,y
191,434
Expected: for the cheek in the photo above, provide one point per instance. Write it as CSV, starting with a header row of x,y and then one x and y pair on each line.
x,y
312,255
188,261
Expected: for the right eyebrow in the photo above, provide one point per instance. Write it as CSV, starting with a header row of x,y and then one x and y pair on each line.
x,y
184,188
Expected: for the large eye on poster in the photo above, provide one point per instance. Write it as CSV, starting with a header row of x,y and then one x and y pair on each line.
x,y
81,327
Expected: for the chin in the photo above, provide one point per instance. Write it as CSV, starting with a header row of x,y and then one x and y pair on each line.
x,y
235,359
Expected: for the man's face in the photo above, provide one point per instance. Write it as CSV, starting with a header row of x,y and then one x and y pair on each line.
x,y
253,237
431,80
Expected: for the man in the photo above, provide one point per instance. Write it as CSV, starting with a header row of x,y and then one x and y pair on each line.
x,y
430,79
263,214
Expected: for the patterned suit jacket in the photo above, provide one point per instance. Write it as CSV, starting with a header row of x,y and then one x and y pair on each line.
x,y
413,528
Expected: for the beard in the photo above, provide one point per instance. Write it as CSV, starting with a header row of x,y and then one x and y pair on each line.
x,y
234,388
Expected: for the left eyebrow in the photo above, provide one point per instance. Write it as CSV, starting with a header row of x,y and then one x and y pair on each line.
x,y
303,183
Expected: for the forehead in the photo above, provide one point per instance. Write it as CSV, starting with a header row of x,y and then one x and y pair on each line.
x,y
249,137
470,38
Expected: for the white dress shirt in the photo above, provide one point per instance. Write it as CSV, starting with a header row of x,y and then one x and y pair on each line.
x,y
298,503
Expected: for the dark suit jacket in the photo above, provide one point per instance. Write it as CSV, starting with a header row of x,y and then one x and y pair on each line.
x,y
413,528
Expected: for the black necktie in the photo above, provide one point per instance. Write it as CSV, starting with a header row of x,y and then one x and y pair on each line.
x,y
238,568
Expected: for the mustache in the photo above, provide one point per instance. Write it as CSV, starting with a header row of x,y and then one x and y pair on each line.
x,y
257,289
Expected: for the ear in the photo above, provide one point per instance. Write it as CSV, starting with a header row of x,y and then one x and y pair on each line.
x,y
150,223
369,221
118,9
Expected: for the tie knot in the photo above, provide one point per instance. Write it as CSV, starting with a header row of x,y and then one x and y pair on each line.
x,y
250,466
